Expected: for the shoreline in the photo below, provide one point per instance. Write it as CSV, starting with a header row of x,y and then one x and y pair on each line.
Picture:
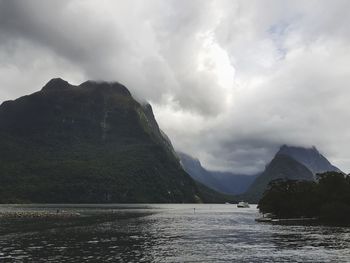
x,y
38,214
287,220
300,221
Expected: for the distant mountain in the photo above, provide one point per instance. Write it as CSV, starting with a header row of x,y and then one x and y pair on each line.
x,y
281,167
194,168
290,162
310,157
91,143
224,182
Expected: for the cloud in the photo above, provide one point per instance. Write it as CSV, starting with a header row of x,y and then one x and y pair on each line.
x,y
230,81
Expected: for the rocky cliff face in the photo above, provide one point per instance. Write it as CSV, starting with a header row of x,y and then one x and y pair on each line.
x,y
310,157
290,162
87,143
281,167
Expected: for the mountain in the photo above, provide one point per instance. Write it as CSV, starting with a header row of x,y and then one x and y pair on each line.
x,y
281,167
194,168
224,182
310,157
290,162
91,143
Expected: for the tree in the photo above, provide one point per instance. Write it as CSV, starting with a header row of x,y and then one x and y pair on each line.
x,y
327,199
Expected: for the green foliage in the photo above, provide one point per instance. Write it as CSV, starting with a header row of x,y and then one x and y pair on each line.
x,y
335,212
133,172
327,199
86,144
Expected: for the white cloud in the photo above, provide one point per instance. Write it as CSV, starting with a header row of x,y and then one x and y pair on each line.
x,y
229,80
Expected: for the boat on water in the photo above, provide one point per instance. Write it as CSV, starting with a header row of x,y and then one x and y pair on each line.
x,y
243,204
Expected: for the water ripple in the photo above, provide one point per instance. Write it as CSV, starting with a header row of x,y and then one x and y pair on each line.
x,y
171,233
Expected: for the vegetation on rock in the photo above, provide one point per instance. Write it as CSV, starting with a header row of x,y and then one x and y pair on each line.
x,y
327,199
91,143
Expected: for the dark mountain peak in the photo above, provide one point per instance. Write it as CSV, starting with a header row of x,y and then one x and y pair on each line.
x,y
290,162
288,149
282,166
284,161
88,143
310,157
106,86
56,84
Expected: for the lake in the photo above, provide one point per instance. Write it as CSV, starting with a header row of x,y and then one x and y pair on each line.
x,y
164,233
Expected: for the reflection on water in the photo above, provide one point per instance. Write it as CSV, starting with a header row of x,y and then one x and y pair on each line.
x,y
167,233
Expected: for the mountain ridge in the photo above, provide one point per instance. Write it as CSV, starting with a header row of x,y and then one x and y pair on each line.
x,y
281,167
310,157
91,143
290,162
225,182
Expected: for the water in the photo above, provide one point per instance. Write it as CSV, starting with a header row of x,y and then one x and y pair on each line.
x,y
165,233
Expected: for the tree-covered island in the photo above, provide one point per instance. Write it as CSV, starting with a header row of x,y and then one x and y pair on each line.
x,y
327,200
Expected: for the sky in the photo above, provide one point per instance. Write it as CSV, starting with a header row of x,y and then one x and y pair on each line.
x,y
229,81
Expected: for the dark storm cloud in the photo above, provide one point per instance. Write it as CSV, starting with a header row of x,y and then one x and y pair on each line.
x,y
230,81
